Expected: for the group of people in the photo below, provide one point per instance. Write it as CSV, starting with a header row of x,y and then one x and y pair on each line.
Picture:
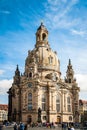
x,y
71,128
21,126
65,126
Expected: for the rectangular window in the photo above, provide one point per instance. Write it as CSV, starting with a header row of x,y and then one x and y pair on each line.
x,y
30,106
69,108
43,99
50,60
44,117
68,104
68,100
43,107
58,107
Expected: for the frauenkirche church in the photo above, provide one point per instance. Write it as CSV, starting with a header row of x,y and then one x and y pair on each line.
x,y
39,94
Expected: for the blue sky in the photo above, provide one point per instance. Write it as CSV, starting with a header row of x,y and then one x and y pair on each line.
x,y
66,21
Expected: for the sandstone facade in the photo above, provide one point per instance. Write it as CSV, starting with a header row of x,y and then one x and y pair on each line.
x,y
41,87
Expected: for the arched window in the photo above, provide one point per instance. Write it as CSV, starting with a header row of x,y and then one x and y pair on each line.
x,y
43,36
29,119
58,103
43,103
69,80
68,104
30,96
30,101
70,118
30,75
38,37
50,59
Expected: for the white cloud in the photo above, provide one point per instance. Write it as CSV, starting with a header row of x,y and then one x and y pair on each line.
x,y
1,72
82,81
78,32
5,85
4,11
83,95
51,2
57,13
58,2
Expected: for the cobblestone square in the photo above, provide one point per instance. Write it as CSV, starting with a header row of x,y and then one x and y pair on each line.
x,y
40,128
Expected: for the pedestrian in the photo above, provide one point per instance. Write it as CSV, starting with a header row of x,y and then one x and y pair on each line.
x,y
52,124
26,127
72,128
69,128
1,126
19,127
62,126
22,126
15,127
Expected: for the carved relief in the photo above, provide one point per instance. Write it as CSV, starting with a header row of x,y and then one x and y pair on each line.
x,y
52,76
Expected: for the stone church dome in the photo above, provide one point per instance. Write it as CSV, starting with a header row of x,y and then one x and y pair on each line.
x,y
42,60
47,58
42,55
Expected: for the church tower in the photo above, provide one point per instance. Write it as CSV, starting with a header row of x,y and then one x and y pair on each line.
x,y
17,76
69,73
74,90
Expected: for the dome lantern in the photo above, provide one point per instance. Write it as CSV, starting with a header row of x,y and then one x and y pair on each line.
x,y
41,35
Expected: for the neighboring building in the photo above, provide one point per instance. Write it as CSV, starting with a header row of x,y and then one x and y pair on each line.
x,y
3,112
40,94
83,110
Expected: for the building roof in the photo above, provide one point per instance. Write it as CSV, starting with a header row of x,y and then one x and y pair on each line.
x,y
83,101
4,107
